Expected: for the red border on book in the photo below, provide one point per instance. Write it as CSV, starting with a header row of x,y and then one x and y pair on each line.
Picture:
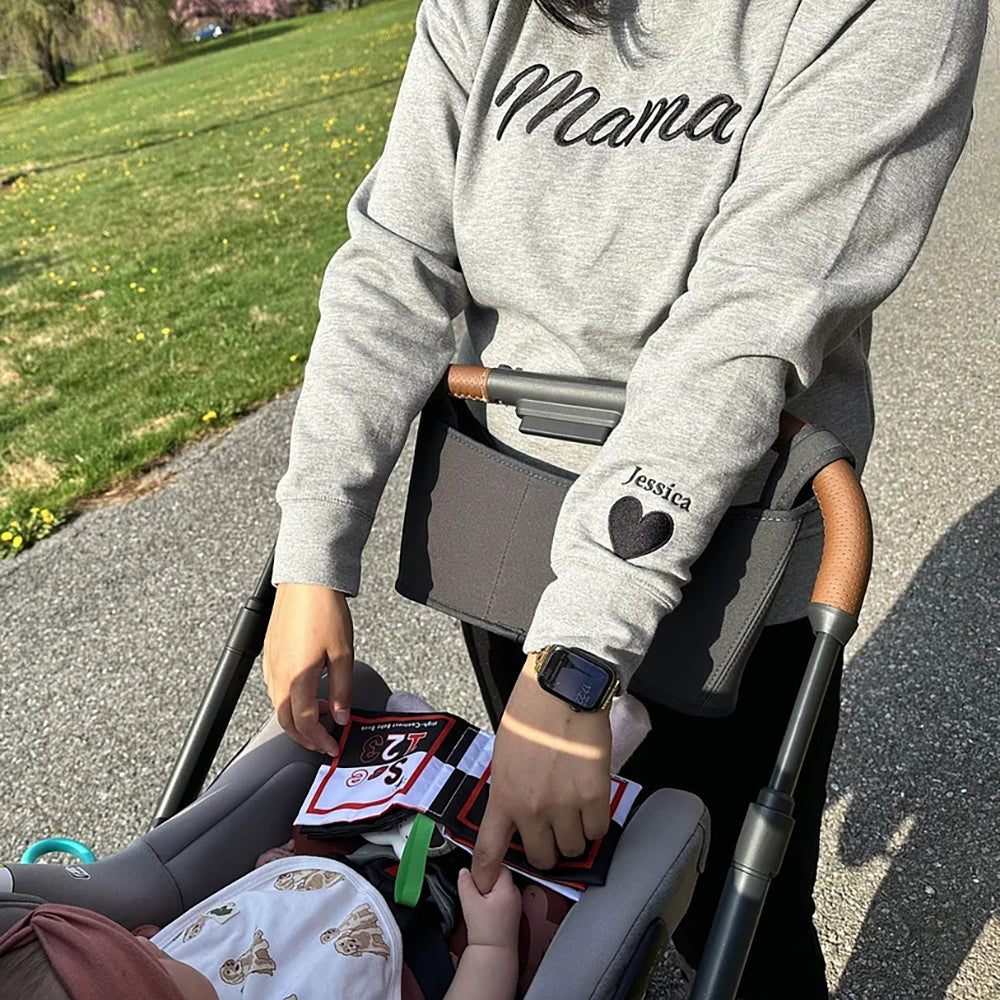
x,y
586,862
450,721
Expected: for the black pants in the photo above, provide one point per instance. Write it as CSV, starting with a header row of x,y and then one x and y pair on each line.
x,y
726,762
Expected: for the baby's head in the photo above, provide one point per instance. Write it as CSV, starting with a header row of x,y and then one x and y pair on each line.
x,y
60,952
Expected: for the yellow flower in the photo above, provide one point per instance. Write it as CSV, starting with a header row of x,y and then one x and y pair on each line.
x,y
140,336
165,331
154,270
140,289
6,536
93,269
47,516
132,284
225,242
256,194
34,510
293,357
211,415
18,542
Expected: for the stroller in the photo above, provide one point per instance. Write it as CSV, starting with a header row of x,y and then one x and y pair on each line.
x,y
610,941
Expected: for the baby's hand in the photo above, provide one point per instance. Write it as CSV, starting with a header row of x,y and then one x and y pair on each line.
x,y
492,918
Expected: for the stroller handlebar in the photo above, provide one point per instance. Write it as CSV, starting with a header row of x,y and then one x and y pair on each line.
x,y
847,547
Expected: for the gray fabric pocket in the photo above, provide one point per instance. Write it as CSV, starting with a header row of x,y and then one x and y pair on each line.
x,y
478,528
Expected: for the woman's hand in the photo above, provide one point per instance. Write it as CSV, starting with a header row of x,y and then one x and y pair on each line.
x,y
310,630
550,778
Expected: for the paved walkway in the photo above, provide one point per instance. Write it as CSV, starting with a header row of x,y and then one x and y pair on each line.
x,y
111,628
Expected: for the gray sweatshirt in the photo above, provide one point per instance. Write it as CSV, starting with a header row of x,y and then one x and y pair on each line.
x,y
707,200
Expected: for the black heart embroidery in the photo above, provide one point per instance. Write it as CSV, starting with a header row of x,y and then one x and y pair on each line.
x,y
633,534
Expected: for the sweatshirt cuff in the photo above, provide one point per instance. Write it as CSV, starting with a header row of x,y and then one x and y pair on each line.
x,y
611,618
320,542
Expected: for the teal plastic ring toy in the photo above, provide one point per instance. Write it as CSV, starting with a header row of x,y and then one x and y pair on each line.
x,y
58,845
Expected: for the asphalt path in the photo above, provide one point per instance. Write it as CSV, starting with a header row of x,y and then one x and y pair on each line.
x,y
110,630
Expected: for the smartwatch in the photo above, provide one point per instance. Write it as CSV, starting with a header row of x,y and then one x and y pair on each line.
x,y
585,681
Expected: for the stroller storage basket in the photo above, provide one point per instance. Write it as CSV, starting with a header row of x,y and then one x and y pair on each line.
x,y
491,570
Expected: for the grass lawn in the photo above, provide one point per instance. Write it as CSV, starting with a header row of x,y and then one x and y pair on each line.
x,y
162,247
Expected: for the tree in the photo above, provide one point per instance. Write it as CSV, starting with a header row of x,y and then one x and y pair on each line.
x,y
119,25
36,31
43,33
240,11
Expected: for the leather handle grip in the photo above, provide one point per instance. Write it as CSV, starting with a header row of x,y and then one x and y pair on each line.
x,y
847,539
468,382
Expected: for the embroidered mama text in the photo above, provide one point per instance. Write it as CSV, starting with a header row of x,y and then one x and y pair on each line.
x,y
619,126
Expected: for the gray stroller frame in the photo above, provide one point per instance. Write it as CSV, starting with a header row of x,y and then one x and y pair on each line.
x,y
610,941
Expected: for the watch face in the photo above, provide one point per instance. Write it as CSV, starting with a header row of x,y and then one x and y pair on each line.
x,y
576,678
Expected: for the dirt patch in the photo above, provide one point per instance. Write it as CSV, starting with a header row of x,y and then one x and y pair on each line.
x,y
46,339
129,489
59,335
36,395
27,473
8,375
259,316
155,425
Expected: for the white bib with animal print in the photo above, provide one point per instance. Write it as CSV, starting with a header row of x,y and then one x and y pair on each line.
x,y
299,928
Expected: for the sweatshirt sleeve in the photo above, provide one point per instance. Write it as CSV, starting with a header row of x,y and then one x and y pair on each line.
x,y
384,338
840,174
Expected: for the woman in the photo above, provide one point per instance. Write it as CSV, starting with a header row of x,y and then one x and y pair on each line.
x,y
706,199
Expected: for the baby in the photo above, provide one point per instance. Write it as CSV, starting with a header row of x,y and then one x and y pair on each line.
x,y
295,929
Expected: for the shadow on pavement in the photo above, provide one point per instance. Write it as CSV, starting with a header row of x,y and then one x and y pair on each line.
x,y
923,699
